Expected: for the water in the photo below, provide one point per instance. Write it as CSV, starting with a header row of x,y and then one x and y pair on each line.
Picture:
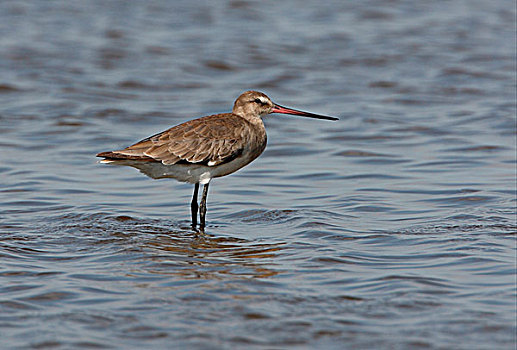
x,y
392,228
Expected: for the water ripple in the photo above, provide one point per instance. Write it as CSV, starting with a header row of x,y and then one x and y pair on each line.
x,y
394,225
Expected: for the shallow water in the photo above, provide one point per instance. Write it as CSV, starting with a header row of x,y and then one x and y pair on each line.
x,y
392,228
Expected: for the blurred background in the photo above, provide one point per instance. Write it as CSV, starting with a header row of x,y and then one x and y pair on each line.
x,y
393,227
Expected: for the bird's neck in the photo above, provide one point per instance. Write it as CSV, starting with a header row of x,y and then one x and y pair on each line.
x,y
256,120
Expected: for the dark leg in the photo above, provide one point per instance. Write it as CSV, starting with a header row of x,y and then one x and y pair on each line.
x,y
194,206
202,208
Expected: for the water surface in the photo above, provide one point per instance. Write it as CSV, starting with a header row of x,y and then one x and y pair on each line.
x,y
392,228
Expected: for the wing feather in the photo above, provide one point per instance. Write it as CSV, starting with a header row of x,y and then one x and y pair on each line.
x,y
213,140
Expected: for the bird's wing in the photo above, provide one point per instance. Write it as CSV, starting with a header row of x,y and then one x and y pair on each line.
x,y
212,140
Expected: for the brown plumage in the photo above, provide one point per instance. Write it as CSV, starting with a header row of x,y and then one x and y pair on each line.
x,y
201,149
214,139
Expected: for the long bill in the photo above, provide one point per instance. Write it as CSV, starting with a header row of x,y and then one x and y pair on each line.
x,y
285,110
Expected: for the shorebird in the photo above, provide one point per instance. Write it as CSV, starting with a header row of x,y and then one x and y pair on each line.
x,y
201,149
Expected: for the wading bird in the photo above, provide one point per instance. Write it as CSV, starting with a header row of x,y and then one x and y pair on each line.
x,y
201,149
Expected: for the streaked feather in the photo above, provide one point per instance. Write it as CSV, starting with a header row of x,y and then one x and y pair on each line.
x,y
210,140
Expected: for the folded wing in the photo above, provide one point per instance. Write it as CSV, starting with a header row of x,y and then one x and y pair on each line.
x,y
210,140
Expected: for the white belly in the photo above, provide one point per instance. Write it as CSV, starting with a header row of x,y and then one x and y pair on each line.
x,y
192,173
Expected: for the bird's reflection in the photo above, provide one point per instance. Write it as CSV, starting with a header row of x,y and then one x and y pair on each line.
x,y
194,255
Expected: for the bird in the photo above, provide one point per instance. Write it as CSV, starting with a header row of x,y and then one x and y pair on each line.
x,y
201,149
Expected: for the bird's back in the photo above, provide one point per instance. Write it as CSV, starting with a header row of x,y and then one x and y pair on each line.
x,y
211,141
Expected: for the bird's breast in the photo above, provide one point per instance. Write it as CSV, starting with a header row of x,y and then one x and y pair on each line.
x,y
256,141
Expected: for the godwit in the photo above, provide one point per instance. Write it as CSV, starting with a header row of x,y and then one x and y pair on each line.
x,y
201,149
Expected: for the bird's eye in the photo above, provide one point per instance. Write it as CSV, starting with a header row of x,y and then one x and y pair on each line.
x,y
259,101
